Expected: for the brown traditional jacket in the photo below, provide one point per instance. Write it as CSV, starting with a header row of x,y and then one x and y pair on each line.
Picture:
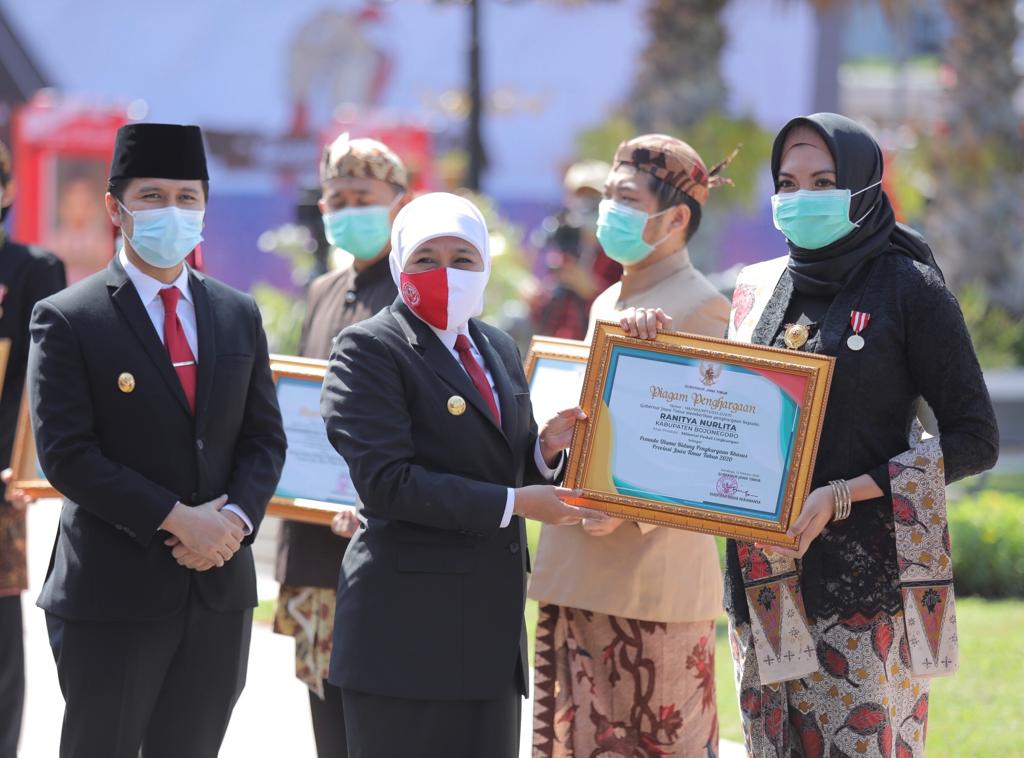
x,y
640,571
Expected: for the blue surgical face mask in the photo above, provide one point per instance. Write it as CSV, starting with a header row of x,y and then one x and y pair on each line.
x,y
620,230
363,232
813,219
164,236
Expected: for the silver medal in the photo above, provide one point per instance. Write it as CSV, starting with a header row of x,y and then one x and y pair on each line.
x,y
856,342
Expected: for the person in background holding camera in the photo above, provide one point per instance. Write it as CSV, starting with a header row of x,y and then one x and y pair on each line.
x,y
576,269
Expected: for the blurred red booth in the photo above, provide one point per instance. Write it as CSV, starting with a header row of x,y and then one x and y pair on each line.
x,y
62,151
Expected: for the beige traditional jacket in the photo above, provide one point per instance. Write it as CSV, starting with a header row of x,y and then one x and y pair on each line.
x,y
640,571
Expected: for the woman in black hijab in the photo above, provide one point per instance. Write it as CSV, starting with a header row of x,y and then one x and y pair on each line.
x,y
833,641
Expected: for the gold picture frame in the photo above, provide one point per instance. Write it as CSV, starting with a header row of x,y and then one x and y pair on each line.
x,y
26,474
286,504
5,355
693,434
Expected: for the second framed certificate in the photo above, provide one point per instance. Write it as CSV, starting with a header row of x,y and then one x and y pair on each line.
x,y
699,433
315,483
27,475
555,369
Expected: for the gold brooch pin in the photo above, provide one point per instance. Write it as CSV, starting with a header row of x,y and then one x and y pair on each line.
x,y
795,336
456,405
126,382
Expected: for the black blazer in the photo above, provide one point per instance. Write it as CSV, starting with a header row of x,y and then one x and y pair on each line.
x,y
122,459
431,594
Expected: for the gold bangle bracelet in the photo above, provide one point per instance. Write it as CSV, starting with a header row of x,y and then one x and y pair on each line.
x,y
842,499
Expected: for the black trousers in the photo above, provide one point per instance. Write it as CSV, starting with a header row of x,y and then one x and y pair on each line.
x,y
12,675
329,722
168,685
388,727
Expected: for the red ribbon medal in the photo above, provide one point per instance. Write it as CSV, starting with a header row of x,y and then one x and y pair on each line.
x,y
859,321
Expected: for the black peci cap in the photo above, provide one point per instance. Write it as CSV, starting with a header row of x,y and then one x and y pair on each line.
x,y
160,151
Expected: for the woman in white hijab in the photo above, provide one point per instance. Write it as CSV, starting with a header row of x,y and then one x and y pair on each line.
x,y
431,410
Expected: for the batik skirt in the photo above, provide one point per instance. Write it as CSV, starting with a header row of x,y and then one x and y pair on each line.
x,y
610,686
862,701
307,614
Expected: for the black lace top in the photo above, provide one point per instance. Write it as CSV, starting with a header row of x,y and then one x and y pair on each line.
x,y
916,345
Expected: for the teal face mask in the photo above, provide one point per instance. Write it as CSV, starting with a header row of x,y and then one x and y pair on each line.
x,y
363,232
163,237
813,219
620,230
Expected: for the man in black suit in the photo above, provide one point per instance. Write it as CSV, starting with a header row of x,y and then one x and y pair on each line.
x,y
431,410
27,274
155,415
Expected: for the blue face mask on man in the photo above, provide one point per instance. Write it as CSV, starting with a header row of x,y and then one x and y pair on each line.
x,y
163,237
813,219
620,230
363,232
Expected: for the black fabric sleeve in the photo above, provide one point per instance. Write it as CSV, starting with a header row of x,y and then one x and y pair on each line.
x,y
945,368
368,421
880,475
312,298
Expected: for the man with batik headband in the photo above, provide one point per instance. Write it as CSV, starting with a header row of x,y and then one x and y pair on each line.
x,y
27,274
593,580
364,185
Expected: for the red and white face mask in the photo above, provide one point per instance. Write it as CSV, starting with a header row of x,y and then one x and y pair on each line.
x,y
446,298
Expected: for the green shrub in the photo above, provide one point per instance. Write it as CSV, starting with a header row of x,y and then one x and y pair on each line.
x,y
997,334
987,532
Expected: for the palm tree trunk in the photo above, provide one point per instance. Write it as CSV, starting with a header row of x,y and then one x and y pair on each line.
x,y
976,221
680,79
829,19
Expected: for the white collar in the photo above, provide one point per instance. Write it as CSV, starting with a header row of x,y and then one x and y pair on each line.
x,y
149,288
448,336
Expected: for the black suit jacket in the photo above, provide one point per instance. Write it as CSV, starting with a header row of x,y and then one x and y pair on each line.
x,y
122,459
431,594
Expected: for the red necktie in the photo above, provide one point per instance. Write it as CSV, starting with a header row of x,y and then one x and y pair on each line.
x,y
177,346
476,373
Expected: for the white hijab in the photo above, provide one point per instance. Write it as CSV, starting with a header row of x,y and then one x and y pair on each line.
x,y
438,214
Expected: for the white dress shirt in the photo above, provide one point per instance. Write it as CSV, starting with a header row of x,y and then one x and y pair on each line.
x,y
448,338
149,293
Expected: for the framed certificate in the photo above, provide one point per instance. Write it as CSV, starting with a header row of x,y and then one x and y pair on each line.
x,y
699,433
555,369
315,484
26,473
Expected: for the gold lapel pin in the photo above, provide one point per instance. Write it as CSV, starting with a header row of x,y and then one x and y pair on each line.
x,y
126,382
456,405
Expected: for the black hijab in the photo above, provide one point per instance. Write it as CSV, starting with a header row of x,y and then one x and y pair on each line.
x,y
859,164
